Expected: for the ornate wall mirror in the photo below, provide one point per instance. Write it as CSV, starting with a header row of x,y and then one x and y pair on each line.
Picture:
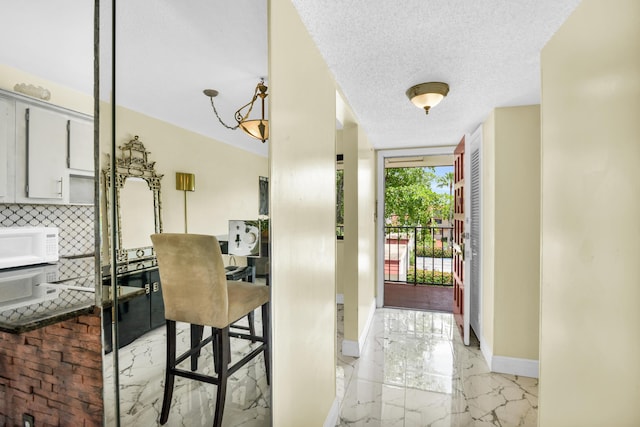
x,y
137,204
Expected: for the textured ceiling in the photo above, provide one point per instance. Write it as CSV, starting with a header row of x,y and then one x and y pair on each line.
x,y
167,52
486,50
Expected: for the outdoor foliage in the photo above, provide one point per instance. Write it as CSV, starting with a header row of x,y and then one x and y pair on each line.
x,y
431,277
339,199
429,251
410,200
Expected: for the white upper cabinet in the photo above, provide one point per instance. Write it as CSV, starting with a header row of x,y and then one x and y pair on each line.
x,y
7,150
46,144
48,150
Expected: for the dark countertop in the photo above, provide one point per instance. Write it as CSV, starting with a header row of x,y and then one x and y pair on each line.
x,y
36,296
125,293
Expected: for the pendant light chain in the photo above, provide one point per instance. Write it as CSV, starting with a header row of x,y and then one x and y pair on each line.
x,y
219,119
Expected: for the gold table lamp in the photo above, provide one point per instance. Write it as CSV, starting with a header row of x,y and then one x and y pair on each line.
x,y
185,182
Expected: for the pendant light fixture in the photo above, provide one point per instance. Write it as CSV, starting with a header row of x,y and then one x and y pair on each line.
x,y
256,128
427,95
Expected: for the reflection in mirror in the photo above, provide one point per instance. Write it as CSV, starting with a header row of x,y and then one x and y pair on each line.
x,y
132,201
47,65
136,195
161,71
136,213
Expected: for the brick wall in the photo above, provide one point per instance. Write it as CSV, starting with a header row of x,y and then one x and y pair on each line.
x,y
53,373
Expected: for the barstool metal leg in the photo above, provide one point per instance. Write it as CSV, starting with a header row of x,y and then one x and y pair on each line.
x,y
267,341
223,350
169,374
196,337
252,328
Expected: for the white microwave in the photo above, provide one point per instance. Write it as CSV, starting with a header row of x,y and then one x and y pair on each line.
x,y
27,286
21,246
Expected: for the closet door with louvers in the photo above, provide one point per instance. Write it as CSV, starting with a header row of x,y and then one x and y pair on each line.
x,y
475,232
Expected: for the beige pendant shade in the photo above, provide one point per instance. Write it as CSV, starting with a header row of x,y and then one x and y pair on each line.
x,y
256,128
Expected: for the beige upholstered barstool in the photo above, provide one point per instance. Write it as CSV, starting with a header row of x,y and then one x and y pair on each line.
x,y
195,291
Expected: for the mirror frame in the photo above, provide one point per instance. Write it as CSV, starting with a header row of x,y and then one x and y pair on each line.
x,y
133,163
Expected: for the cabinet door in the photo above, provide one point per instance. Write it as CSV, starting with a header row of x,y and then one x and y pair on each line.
x,y
80,145
134,316
157,303
46,138
7,150
133,319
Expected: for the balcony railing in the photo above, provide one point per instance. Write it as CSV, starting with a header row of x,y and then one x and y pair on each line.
x,y
418,255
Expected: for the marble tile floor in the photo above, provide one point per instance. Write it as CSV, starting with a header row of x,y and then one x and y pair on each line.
x,y
415,371
142,365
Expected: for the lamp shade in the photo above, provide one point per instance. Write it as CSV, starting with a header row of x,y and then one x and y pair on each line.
x,y
185,181
259,128
427,95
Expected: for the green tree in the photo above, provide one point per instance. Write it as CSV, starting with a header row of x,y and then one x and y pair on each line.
x,y
409,199
445,181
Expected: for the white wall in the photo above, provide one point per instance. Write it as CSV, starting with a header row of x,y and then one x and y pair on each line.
x,y
302,164
590,321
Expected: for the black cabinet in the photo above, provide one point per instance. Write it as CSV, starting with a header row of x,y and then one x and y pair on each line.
x,y
140,314
156,303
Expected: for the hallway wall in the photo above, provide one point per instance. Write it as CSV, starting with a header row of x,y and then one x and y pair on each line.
x,y
302,169
359,238
589,347
510,239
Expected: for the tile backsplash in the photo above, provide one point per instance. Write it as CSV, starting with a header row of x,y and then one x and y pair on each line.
x,y
75,223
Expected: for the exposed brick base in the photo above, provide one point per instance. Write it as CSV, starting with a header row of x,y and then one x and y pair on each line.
x,y
53,373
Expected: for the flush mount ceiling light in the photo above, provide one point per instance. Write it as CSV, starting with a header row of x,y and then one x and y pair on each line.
x,y
257,128
427,95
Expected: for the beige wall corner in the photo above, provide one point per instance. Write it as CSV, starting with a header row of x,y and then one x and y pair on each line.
x,y
590,321
359,241
302,195
517,232
351,236
488,206
511,238
366,234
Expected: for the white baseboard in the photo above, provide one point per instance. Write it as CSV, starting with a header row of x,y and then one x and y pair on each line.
x,y
339,298
486,352
334,413
353,348
515,366
350,348
510,365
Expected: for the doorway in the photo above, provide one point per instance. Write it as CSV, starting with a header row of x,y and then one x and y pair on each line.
x,y
414,265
